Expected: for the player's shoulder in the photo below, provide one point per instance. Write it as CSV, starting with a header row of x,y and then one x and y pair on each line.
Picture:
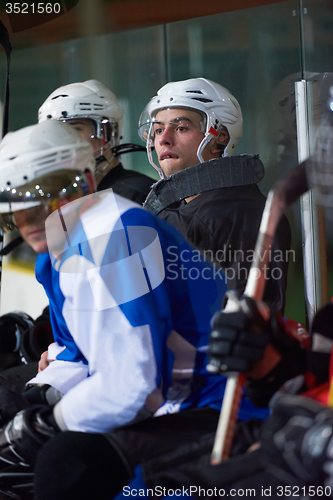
x,y
141,218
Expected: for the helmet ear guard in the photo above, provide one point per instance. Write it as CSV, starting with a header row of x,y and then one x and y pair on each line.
x,y
107,133
222,145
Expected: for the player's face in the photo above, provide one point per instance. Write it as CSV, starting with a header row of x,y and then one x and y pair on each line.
x,y
31,224
177,136
31,221
86,129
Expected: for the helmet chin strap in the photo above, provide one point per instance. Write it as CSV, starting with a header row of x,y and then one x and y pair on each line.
x,y
153,164
150,148
101,158
101,164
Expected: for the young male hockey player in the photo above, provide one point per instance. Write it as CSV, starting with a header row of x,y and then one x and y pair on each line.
x,y
207,194
294,456
131,323
93,109
95,112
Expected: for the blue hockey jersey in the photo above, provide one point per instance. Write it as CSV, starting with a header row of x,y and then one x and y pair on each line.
x,y
130,305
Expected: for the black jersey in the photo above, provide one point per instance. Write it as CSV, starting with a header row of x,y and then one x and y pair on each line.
x,y
127,183
223,224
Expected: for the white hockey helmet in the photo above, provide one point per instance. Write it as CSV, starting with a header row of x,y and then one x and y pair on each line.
x,y
217,104
40,163
90,100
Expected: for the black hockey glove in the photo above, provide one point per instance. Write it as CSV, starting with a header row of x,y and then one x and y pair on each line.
x,y
36,339
12,327
297,441
25,434
239,341
10,403
23,340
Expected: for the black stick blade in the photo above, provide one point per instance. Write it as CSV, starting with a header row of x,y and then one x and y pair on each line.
x,y
5,42
4,39
291,187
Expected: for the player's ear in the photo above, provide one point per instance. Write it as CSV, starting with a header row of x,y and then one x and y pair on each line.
x,y
91,181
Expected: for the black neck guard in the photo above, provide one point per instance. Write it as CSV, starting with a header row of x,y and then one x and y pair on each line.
x,y
230,171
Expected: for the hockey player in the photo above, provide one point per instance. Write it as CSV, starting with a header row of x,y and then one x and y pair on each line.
x,y
216,203
130,305
93,110
295,455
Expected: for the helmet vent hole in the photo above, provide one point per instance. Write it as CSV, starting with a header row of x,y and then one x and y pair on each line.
x,y
89,106
53,158
85,106
194,91
201,99
60,95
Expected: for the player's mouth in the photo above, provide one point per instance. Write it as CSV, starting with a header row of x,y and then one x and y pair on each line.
x,y
167,156
36,232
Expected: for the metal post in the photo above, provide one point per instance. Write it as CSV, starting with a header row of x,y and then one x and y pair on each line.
x,y
312,217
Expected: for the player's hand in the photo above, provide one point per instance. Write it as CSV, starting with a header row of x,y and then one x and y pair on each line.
x,y
254,341
239,339
43,362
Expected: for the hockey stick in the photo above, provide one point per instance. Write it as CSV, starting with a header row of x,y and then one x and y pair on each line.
x,y
4,41
286,192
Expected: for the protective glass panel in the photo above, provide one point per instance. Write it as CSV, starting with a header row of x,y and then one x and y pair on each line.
x,y
257,53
